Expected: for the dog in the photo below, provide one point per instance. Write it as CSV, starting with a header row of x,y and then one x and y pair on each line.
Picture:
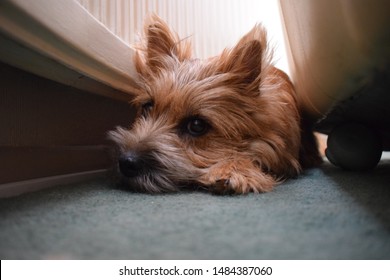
x,y
230,124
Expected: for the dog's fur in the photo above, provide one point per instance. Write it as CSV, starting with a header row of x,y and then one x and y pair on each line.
x,y
230,123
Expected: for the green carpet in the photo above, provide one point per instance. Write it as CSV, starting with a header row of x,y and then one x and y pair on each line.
x,y
324,214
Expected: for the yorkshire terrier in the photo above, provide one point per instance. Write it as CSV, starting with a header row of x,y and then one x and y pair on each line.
x,y
230,123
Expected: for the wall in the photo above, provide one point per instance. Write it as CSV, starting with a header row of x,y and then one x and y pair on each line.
x,y
50,129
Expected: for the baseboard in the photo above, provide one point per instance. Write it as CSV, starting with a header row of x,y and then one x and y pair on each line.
x,y
26,163
18,188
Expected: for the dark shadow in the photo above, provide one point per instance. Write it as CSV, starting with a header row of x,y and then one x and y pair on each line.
x,y
370,189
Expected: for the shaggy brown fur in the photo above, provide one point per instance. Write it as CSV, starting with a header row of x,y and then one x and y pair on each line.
x,y
230,123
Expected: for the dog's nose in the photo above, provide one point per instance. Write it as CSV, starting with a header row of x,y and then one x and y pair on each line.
x,y
131,164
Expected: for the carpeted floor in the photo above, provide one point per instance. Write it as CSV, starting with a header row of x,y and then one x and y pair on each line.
x,y
324,214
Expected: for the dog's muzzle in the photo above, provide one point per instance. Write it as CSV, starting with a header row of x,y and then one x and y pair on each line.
x,y
132,164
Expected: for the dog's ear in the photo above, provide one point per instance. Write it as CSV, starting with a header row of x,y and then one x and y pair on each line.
x,y
158,45
248,61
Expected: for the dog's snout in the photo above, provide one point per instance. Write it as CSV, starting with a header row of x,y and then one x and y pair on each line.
x,y
131,164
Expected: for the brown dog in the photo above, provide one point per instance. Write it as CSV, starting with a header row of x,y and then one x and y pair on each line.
x,y
230,123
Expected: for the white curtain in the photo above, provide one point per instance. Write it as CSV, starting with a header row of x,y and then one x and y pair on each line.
x,y
211,24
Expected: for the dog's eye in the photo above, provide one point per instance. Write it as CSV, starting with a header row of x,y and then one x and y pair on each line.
x,y
197,127
146,107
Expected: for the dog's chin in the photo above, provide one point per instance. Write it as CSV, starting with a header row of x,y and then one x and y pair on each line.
x,y
150,183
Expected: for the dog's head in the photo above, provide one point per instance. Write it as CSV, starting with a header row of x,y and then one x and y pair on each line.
x,y
194,113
